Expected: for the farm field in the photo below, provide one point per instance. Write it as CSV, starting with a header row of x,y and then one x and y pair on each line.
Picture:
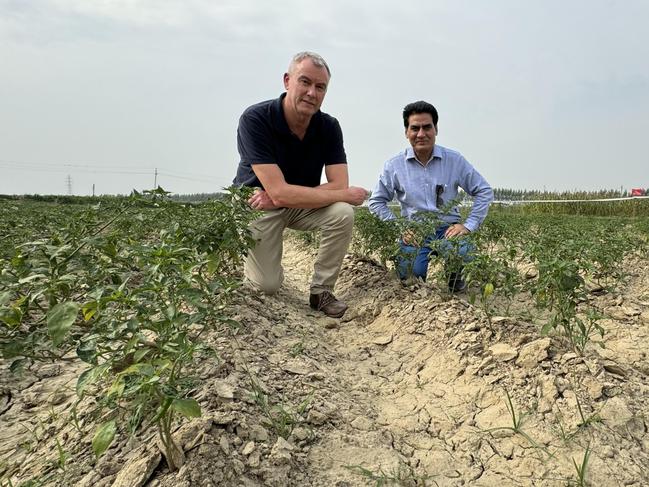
x,y
131,354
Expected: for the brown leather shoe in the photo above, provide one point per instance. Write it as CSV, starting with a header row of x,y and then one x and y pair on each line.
x,y
328,304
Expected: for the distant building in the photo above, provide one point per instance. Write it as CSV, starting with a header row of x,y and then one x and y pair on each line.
x,y
638,192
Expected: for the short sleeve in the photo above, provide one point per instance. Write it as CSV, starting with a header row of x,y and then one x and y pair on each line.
x,y
254,139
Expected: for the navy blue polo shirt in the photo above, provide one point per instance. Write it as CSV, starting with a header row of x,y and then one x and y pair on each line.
x,y
263,137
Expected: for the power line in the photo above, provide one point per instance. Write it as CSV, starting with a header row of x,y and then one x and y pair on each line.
x,y
102,169
21,164
67,170
204,179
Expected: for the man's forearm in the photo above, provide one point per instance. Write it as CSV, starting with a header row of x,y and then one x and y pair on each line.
x,y
380,209
334,185
478,213
294,196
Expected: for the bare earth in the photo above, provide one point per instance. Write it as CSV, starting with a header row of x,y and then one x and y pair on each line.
x,y
411,386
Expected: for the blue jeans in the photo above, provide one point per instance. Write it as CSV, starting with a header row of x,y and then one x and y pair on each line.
x,y
414,260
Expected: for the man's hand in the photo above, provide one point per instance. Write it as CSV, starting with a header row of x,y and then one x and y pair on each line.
x,y
261,201
356,195
409,237
456,230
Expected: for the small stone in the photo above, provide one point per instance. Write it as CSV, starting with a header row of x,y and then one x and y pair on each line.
x,y
630,311
331,323
615,369
382,340
472,327
611,390
223,389
137,471
281,452
300,434
533,353
258,433
362,423
350,315
224,444
607,451
316,417
503,352
593,387
644,317
57,398
238,466
296,367
615,413
254,459
248,448
316,376
222,419
561,384
485,363
548,394
616,313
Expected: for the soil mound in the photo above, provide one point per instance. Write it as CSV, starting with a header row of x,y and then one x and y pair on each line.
x,y
412,386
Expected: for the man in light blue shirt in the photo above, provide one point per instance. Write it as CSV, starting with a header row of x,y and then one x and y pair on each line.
x,y
425,179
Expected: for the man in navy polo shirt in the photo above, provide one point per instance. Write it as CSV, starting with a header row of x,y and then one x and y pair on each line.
x,y
284,144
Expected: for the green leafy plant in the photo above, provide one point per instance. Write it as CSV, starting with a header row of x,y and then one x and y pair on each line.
x,y
132,300
581,470
279,418
517,425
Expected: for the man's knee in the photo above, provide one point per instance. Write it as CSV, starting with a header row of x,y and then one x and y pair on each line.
x,y
342,214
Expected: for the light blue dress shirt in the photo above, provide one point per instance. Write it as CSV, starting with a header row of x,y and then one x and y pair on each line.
x,y
415,187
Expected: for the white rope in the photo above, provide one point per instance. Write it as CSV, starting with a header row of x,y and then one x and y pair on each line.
x,y
514,202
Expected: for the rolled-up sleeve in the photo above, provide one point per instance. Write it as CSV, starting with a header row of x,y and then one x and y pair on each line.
x,y
479,189
382,194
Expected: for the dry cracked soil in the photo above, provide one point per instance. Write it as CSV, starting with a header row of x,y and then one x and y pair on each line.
x,y
411,387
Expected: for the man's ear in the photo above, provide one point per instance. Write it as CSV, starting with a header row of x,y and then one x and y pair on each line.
x,y
286,76
436,131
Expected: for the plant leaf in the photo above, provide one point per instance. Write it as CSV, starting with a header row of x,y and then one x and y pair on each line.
x,y
60,319
87,351
89,376
5,298
187,407
103,437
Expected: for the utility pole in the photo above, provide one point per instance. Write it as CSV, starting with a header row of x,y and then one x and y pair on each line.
x,y
93,189
68,181
155,178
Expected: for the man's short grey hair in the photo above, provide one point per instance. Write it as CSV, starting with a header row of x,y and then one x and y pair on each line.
x,y
317,59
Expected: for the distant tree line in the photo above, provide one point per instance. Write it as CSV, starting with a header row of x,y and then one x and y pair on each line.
x,y
500,194
508,194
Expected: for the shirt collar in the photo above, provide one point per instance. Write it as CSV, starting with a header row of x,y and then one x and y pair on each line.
x,y
277,113
279,121
437,154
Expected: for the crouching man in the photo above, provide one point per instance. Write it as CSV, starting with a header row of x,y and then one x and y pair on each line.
x,y
284,145
425,179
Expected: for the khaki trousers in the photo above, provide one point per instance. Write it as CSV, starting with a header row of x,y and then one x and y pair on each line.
x,y
263,267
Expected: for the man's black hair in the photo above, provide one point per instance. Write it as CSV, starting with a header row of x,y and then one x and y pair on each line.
x,y
419,107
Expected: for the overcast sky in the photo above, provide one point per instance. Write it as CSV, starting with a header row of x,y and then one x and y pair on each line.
x,y
551,94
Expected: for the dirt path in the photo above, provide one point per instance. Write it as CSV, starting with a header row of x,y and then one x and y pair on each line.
x,y
408,386
429,376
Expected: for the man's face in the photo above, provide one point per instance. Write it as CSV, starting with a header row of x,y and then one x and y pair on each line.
x,y
421,132
306,87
